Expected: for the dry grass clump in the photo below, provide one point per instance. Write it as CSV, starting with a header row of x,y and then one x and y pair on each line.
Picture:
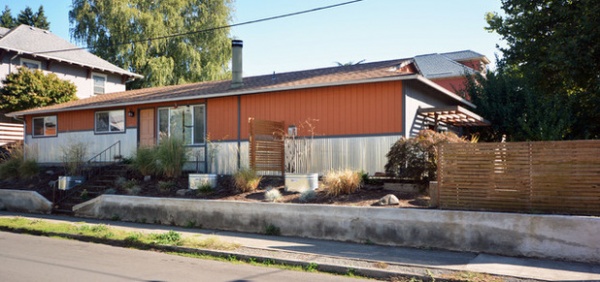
x,y
342,182
246,180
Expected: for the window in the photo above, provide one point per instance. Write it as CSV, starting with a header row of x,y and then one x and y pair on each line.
x,y
110,121
44,126
31,64
99,83
186,122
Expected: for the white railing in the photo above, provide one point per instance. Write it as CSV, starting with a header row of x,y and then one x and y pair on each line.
x,y
10,132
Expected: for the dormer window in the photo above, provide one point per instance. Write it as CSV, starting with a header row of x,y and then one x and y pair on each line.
x,y
99,83
31,64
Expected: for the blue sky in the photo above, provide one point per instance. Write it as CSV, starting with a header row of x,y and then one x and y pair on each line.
x,y
371,30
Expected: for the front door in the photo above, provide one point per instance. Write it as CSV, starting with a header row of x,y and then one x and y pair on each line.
x,y
147,128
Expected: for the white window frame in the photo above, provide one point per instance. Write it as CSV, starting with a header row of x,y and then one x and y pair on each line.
x,y
43,118
25,61
109,131
94,83
192,128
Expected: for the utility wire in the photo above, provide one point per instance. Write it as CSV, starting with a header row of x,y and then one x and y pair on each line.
x,y
208,29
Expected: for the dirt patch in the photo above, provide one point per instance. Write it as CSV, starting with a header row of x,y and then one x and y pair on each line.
x,y
133,184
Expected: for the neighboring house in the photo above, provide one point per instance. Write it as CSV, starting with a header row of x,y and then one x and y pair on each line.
x,y
358,112
449,69
26,46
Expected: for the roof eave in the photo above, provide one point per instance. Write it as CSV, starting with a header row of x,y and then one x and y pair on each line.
x,y
22,52
445,91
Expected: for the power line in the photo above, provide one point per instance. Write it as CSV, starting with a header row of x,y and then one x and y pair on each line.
x,y
208,29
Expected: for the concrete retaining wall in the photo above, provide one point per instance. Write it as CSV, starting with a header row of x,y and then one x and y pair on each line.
x,y
572,238
24,201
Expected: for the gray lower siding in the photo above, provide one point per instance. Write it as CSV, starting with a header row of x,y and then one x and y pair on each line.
x,y
356,153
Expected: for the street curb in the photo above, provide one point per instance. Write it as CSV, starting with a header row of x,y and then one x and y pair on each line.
x,y
408,271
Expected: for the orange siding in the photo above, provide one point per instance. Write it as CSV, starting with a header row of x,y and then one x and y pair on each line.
x,y
84,120
221,118
453,84
374,108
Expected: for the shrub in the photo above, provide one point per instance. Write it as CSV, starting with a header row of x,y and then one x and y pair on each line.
x,y
165,186
414,158
203,188
171,155
307,195
246,180
74,157
144,161
342,182
17,166
273,195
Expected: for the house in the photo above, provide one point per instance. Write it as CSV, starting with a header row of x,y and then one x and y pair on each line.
x,y
358,112
34,48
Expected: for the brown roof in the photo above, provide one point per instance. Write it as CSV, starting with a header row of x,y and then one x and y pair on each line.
x,y
360,73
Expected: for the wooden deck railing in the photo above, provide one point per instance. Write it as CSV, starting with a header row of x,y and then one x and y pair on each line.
x,y
538,177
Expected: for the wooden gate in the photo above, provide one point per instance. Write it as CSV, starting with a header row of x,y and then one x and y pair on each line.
x,y
267,146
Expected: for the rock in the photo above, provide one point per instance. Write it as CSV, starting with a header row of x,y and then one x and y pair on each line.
x,y
147,178
182,192
50,172
389,200
52,183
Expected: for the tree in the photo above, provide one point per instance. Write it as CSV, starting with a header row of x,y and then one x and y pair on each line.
x,y
120,32
557,45
27,89
7,20
27,17
40,20
516,109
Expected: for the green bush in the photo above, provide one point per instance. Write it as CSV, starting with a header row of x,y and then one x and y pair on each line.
x,y
416,158
171,155
342,182
18,167
246,180
145,161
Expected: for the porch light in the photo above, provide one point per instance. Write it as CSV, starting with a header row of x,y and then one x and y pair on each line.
x,y
131,113
292,130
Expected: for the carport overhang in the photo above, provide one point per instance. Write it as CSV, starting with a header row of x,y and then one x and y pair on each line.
x,y
453,115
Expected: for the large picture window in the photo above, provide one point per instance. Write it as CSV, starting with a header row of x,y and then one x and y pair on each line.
x,y
110,121
44,126
186,122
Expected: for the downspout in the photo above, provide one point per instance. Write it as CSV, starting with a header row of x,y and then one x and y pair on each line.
x,y
10,64
239,131
24,136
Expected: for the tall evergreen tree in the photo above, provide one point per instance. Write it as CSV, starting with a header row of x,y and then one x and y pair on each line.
x,y
7,20
556,44
26,17
40,20
119,32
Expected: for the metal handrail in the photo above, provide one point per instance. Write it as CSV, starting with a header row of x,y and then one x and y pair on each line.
x,y
102,156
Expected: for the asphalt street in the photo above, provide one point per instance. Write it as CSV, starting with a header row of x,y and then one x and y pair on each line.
x,y
35,258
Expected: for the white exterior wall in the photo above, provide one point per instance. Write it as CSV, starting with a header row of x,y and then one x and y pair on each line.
x,y
415,99
76,74
50,149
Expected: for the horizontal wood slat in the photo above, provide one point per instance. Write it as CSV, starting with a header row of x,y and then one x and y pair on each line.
x,y
267,145
549,177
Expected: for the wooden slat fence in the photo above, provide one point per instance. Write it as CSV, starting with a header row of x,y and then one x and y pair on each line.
x,y
10,132
267,146
539,177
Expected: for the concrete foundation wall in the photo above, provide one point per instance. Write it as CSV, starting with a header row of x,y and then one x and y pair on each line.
x,y
572,238
24,201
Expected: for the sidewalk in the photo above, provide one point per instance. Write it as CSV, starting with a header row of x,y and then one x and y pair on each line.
x,y
377,261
